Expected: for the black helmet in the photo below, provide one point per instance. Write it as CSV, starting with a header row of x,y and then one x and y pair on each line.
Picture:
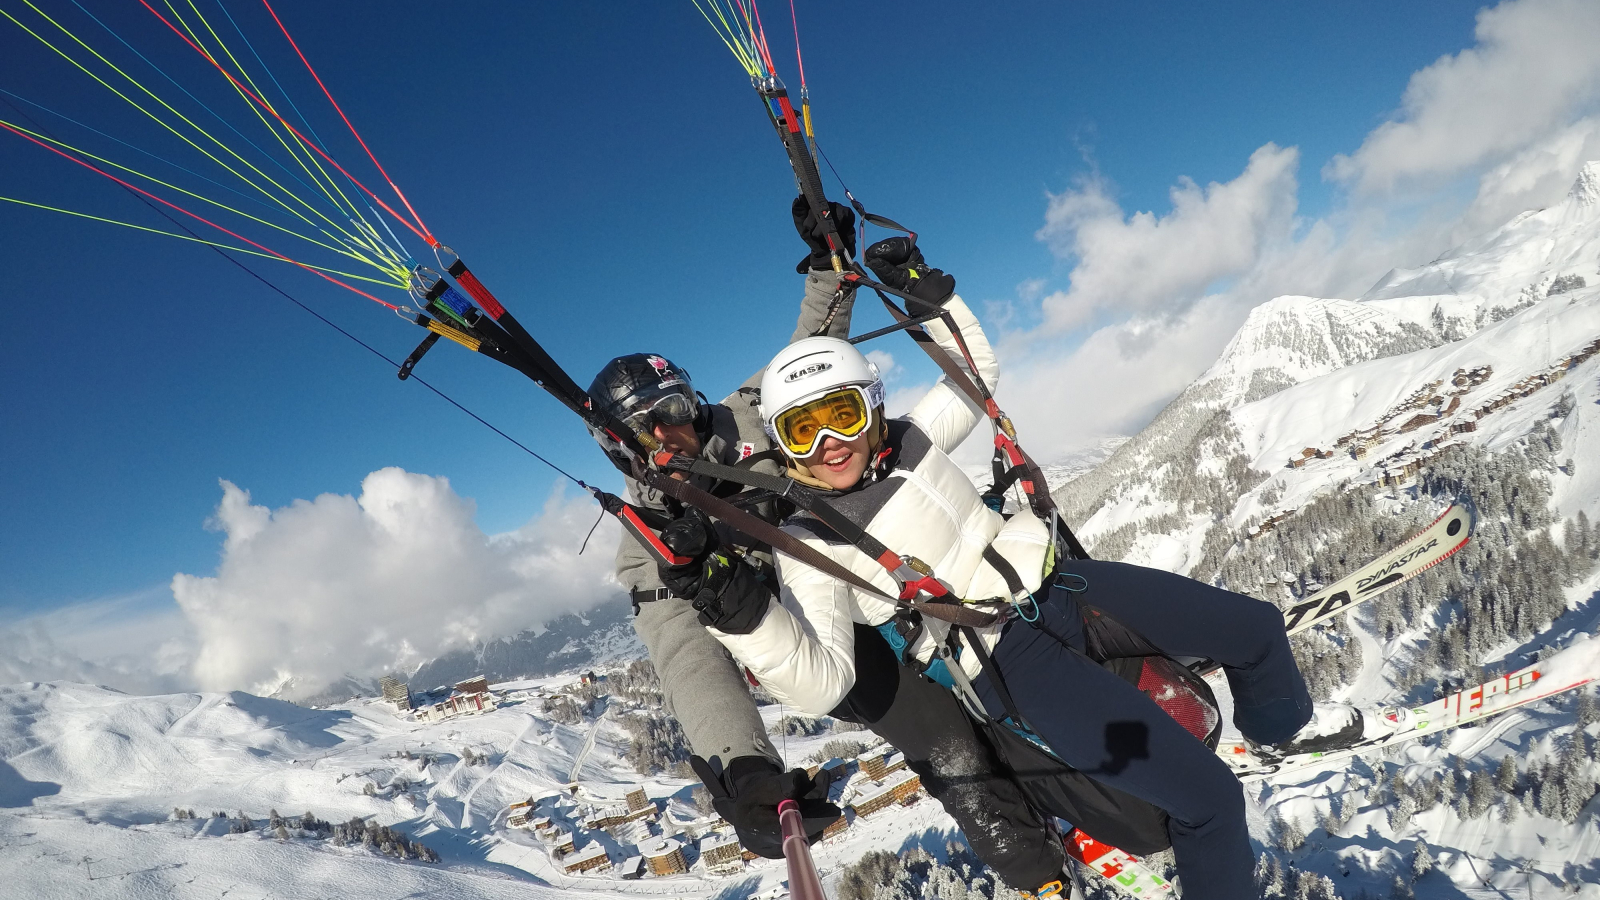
x,y
640,387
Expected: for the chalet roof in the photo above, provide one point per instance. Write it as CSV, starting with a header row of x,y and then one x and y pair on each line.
x,y
658,848
879,788
588,853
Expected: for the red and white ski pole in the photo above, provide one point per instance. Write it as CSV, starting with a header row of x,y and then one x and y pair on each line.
x,y
804,884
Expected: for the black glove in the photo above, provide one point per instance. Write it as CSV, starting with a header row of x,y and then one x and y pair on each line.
x,y
724,589
748,792
898,263
811,231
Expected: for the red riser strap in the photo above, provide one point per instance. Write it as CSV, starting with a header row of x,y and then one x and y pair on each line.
x,y
470,283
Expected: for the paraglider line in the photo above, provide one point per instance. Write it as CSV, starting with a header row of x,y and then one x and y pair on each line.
x,y
380,354
191,96
320,152
801,63
168,203
426,235
164,161
307,122
145,197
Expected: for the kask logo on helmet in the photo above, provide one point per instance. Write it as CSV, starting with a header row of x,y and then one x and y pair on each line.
x,y
808,371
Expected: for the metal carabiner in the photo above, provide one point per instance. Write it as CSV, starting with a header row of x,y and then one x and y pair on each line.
x,y
1017,605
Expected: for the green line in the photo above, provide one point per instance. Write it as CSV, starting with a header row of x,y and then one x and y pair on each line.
x,y
151,178
185,237
725,33
181,116
252,106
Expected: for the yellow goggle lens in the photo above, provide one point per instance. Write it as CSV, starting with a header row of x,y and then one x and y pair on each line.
x,y
843,412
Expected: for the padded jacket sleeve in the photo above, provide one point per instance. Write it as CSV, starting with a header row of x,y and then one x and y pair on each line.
x,y
945,413
803,652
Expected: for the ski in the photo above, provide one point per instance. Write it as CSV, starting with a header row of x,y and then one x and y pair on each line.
x,y
1567,670
1116,866
1419,553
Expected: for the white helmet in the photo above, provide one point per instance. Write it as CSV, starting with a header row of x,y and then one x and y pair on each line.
x,y
808,370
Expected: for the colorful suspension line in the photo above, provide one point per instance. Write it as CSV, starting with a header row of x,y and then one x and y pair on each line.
x,y
426,235
283,197
187,93
188,234
394,271
323,182
303,120
418,229
192,239
198,218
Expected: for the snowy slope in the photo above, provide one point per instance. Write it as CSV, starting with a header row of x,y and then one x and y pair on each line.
x,y
1317,412
1492,348
90,772
1527,253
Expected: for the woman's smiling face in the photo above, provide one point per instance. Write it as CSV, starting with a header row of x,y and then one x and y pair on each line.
x,y
839,464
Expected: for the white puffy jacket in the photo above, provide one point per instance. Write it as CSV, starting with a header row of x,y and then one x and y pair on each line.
x,y
927,507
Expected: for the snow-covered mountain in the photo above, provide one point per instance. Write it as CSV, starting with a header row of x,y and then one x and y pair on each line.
x,y
1518,300
1331,427
602,635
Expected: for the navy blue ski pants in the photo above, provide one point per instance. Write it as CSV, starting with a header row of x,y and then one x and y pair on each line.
x,y
1102,725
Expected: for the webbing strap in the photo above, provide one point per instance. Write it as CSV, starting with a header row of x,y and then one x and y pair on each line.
x,y
772,453
805,498
995,679
971,384
1007,571
783,542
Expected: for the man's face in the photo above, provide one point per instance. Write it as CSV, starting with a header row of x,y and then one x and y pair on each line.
x,y
677,439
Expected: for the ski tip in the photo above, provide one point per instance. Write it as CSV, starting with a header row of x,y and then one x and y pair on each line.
x,y
1463,504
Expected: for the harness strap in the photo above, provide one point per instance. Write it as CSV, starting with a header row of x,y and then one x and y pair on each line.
x,y
914,576
771,453
971,384
986,663
783,542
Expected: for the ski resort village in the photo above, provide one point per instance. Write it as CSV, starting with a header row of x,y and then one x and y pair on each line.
x,y
545,787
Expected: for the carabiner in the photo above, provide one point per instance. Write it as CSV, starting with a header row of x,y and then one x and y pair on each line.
x,y
1017,605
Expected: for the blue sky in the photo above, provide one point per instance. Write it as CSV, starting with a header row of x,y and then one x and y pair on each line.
x,y
606,170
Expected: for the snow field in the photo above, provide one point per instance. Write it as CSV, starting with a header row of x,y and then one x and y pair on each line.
x,y
90,772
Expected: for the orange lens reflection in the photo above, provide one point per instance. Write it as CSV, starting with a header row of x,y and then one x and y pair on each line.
x,y
843,411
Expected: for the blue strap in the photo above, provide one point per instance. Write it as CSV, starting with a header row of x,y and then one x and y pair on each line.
x,y
935,671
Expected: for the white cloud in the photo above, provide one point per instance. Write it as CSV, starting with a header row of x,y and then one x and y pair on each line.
x,y
1031,289
362,585
884,360
1144,263
138,643
1535,176
1154,296
1115,381
1534,68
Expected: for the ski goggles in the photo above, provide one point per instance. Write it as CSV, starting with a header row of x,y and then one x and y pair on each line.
x,y
844,413
670,408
